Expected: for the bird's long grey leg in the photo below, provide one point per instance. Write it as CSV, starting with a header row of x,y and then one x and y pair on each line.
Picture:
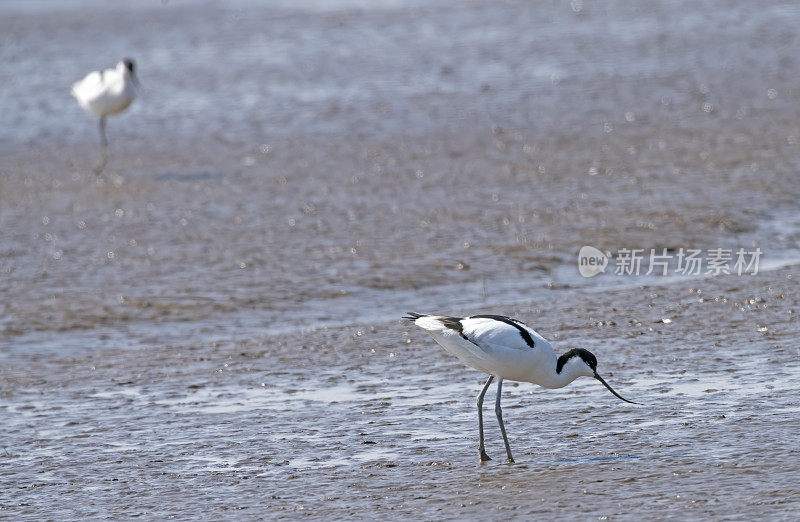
x,y
499,412
103,140
101,163
484,456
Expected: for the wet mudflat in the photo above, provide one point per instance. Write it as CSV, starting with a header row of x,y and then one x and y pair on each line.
x,y
211,328
373,419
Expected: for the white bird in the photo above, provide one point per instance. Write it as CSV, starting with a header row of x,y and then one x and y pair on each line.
x,y
103,93
507,349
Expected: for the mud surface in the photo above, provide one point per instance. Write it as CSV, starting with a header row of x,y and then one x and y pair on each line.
x,y
211,327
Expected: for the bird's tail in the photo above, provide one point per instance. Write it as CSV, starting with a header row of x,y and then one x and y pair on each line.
x,y
412,316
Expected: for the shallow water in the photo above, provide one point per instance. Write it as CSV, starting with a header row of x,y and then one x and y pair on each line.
x,y
211,327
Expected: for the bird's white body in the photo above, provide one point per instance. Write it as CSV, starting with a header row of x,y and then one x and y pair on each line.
x,y
103,93
498,348
506,348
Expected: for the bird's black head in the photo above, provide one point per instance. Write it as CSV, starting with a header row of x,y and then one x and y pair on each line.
x,y
589,361
129,64
587,357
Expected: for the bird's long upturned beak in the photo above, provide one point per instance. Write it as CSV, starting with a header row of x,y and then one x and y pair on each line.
x,y
597,376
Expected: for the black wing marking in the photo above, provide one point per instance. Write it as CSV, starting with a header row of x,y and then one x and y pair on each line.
x,y
452,323
526,336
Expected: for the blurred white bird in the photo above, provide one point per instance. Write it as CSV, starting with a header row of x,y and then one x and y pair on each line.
x,y
103,93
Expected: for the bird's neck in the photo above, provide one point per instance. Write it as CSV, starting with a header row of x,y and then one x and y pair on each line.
x,y
555,379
